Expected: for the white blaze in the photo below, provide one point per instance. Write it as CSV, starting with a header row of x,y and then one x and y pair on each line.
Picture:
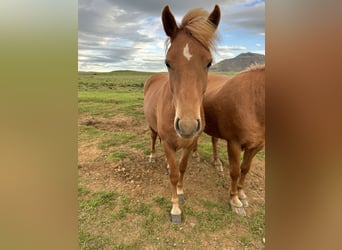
x,y
186,52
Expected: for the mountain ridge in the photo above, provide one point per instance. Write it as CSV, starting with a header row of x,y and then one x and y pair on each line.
x,y
238,63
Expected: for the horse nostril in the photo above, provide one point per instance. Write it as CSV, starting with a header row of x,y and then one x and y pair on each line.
x,y
198,125
177,124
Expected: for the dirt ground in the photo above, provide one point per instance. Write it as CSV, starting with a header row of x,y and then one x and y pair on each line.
x,y
141,180
131,174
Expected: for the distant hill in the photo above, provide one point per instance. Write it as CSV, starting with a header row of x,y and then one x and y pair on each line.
x,y
238,63
116,73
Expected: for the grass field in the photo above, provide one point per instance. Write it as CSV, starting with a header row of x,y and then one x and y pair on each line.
x,y
124,201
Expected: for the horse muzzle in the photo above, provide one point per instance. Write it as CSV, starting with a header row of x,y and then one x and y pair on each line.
x,y
187,128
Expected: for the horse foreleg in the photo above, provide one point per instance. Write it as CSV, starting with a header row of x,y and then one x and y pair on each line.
x,y
245,166
174,179
217,162
153,144
182,168
234,151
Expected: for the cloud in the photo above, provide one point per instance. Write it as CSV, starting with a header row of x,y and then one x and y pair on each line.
x,y
250,17
234,47
128,34
113,36
228,51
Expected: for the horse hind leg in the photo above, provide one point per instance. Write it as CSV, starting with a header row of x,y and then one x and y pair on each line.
x,y
195,153
153,145
217,163
234,151
245,167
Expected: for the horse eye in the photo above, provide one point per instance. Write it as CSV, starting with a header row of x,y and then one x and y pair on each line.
x,y
167,64
209,64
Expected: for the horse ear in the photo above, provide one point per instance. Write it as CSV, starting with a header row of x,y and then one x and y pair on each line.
x,y
215,16
169,22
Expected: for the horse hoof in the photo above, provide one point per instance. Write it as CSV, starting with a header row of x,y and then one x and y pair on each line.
x,y
239,210
167,171
151,159
237,206
244,202
243,198
181,198
176,218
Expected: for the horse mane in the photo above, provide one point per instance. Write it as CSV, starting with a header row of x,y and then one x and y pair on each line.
x,y
196,23
255,67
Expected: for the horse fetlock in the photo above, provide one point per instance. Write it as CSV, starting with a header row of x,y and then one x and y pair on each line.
x,y
196,156
175,209
235,201
180,194
243,198
218,165
242,195
180,190
151,158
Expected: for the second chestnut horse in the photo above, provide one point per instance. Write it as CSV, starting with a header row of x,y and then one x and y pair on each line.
x,y
235,111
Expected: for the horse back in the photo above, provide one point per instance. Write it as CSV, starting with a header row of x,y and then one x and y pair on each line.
x,y
215,83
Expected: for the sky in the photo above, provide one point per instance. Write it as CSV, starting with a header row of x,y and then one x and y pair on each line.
x,y
129,35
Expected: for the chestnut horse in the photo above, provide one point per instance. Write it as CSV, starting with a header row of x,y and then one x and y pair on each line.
x,y
173,101
235,111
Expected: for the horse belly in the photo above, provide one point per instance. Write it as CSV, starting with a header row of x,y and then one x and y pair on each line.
x,y
212,121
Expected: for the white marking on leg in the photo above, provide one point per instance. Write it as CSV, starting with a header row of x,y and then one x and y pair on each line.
x,y
186,52
243,198
234,201
180,190
151,158
175,207
218,165
242,194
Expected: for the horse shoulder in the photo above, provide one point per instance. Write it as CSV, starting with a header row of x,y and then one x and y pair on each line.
x,y
152,88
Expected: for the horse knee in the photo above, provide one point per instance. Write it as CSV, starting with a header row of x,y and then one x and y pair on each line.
x,y
235,173
245,170
174,177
